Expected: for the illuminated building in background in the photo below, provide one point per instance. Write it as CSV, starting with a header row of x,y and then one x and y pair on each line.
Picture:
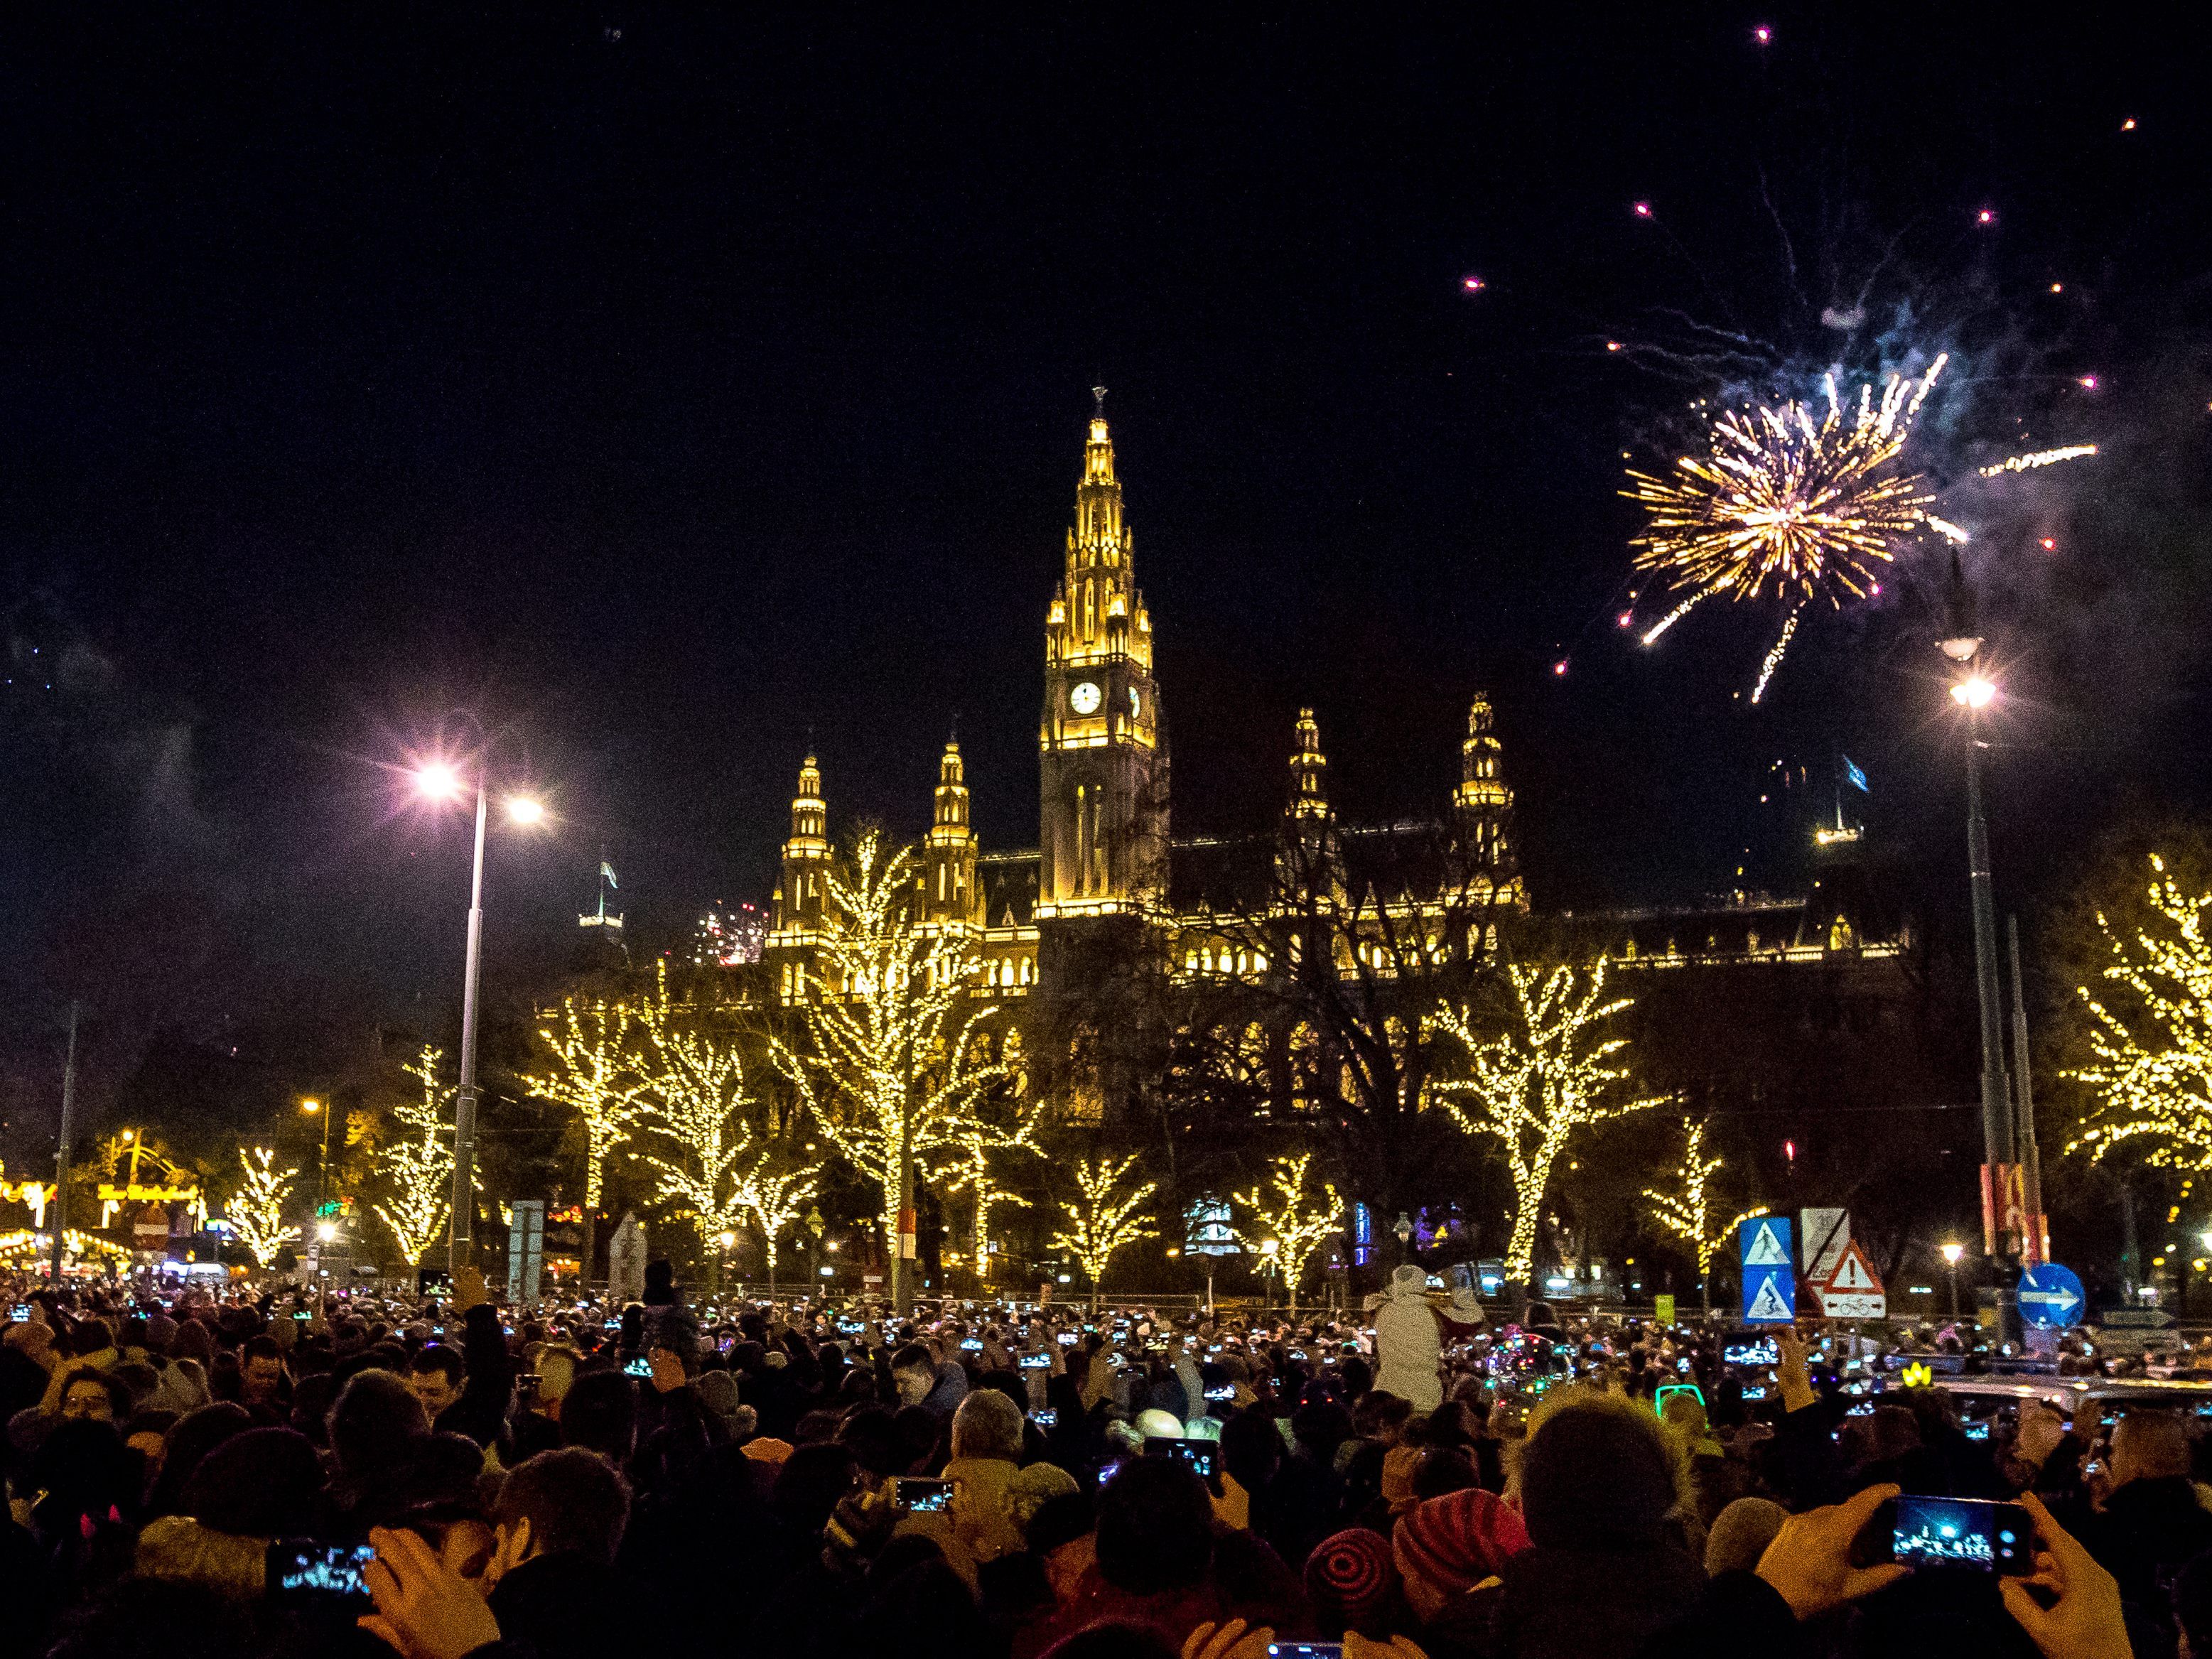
x,y
1073,937
729,935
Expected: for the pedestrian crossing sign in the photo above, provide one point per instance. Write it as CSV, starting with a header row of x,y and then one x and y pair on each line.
x,y
1764,1242
1769,1297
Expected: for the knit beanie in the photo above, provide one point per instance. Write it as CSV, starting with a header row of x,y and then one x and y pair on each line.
x,y
1352,1580
1457,1541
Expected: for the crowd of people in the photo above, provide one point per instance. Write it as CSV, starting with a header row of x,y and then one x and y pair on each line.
x,y
265,1474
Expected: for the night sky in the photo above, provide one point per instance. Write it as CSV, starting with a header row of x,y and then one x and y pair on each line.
x,y
665,386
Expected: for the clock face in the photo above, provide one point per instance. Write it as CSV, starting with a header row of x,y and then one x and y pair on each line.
x,y
1084,698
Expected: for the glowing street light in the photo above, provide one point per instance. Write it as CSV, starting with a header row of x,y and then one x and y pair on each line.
x,y
440,780
1951,1255
1973,692
309,1108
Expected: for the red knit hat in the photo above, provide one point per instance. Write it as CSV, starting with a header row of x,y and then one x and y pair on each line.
x,y
1459,1539
1351,1579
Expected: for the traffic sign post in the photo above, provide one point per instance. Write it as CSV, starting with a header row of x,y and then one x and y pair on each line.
x,y
2050,1296
1770,1277
1826,1234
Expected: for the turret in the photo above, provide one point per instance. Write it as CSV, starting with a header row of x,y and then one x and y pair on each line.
x,y
951,896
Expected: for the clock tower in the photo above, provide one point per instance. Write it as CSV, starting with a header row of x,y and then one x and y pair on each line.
x,y
1103,749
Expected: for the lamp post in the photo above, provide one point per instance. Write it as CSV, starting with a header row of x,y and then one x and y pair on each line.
x,y
1974,693
441,781
1951,1255
309,1108
1270,1252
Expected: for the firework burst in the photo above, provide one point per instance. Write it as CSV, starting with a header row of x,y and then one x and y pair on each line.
x,y
1800,505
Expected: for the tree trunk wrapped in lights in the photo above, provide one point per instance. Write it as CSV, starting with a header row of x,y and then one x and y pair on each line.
x,y
1101,1222
417,1168
1685,1211
1299,1223
777,1200
2153,1053
596,1077
256,1207
701,1106
892,1067
1535,1082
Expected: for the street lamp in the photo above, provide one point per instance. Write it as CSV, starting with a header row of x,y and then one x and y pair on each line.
x,y
440,781
309,1108
1974,692
1951,1255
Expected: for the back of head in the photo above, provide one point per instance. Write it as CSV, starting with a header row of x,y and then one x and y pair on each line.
x,y
574,1501
1251,1449
868,1433
372,1422
1740,1534
987,1425
196,1434
809,1485
558,1366
260,1483
1155,1527
2149,1445
599,1414
1598,1473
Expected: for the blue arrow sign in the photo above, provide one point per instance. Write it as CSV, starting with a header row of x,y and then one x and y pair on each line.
x,y
2050,1296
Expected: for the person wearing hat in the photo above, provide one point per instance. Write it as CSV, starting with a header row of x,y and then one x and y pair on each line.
x,y
1351,1579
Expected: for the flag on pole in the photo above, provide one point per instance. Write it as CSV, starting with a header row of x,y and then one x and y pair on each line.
x,y
607,872
1858,778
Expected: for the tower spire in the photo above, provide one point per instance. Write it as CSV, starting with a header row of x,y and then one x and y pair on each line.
x,y
1309,771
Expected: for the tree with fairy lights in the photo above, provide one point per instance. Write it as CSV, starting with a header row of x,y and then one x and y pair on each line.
x,y
417,1166
891,1064
1297,1222
2151,1049
596,1077
775,1201
701,1106
1102,1220
1686,1211
256,1212
1541,1078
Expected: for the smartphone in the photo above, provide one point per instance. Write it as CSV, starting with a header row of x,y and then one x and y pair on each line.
x,y
1034,1362
1756,1391
918,1497
1067,1339
1974,1534
972,1345
302,1569
1978,1431
526,1386
640,1366
1305,1651
1045,1417
1203,1456
1226,1391
1682,1366
20,1313
1760,1351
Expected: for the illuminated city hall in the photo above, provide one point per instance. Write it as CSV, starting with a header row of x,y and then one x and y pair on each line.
x,y
1108,902
1105,865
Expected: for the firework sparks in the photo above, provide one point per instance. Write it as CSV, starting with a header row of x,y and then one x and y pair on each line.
x,y
1774,656
1807,505
2039,457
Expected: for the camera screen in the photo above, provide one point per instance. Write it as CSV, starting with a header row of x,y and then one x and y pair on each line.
x,y
925,1497
1198,1453
640,1366
1958,1532
309,1569
1760,1351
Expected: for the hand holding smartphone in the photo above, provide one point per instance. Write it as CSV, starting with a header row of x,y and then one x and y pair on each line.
x,y
915,1496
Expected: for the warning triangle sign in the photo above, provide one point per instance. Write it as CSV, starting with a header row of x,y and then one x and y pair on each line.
x,y
1853,1275
1768,1303
1766,1250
